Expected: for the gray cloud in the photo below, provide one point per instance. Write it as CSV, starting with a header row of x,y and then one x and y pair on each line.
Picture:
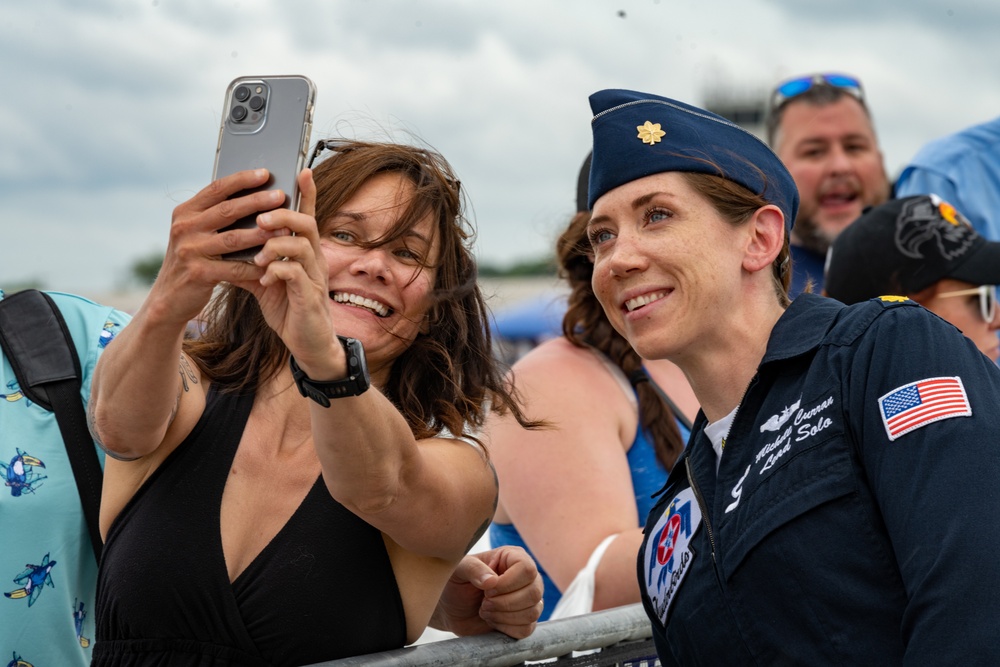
x,y
957,17
111,115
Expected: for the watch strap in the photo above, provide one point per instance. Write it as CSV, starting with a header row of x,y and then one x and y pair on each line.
x,y
355,384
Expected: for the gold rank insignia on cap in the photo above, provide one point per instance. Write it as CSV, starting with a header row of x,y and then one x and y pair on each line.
x,y
650,133
893,299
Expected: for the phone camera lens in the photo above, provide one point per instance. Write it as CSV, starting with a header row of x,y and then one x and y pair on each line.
x,y
256,103
238,113
241,93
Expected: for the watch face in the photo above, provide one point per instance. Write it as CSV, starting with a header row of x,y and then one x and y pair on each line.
x,y
357,380
357,364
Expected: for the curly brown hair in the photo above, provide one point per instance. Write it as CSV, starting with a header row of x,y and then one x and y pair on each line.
x,y
448,378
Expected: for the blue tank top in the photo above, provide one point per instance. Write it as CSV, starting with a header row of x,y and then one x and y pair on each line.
x,y
648,477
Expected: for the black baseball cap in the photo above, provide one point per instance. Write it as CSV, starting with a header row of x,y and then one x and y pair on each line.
x,y
904,246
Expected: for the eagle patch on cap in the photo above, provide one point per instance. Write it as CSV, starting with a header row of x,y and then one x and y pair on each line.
x,y
928,218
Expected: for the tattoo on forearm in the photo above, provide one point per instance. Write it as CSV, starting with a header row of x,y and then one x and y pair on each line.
x,y
187,373
486,524
479,533
173,410
496,488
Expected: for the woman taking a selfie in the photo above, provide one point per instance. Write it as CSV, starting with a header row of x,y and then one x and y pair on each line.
x,y
837,501
286,494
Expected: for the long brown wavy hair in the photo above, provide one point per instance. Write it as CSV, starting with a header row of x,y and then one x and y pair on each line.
x,y
585,324
448,378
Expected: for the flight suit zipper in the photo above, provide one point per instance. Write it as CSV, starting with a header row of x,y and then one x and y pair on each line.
x,y
701,505
694,484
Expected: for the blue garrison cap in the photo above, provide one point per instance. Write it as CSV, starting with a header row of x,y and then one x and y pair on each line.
x,y
638,134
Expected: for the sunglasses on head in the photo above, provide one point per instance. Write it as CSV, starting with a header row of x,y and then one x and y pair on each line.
x,y
987,299
341,146
331,145
792,88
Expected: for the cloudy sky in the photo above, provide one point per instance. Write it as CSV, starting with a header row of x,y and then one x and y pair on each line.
x,y
109,109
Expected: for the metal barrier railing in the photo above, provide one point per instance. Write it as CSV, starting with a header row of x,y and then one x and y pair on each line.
x,y
623,635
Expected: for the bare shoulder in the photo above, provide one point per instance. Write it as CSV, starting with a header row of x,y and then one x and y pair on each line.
x,y
557,360
558,373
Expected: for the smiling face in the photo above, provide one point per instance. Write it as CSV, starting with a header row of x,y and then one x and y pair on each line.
x,y
667,265
833,155
380,282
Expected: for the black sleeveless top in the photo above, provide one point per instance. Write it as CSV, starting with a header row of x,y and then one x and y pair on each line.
x,y
322,589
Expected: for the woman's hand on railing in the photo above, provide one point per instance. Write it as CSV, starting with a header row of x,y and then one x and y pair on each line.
x,y
499,589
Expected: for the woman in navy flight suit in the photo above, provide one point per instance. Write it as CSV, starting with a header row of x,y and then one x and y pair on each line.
x,y
838,500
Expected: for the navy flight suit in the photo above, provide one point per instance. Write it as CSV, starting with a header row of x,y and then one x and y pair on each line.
x,y
845,526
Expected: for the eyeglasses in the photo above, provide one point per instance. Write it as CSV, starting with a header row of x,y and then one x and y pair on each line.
x,y
795,87
323,145
341,146
987,299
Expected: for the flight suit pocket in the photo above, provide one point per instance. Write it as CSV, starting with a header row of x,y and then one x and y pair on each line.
x,y
799,555
811,478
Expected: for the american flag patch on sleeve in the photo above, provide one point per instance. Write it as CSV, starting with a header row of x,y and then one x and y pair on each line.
x,y
920,403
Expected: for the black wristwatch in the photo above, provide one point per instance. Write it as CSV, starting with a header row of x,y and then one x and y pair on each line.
x,y
356,382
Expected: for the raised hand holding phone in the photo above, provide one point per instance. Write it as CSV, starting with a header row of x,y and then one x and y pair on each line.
x,y
293,293
266,124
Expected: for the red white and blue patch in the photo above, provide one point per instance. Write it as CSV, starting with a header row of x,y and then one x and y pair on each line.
x,y
920,403
668,553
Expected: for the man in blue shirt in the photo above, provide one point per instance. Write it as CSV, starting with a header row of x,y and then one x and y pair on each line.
x,y
964,170
820,127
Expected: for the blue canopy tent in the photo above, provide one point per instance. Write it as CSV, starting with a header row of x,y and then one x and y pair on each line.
x,y
520,326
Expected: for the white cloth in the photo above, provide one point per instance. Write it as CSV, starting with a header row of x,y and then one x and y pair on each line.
x,y
578,598
717,432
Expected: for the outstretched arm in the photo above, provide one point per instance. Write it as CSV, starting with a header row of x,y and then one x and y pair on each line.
x,y
371,461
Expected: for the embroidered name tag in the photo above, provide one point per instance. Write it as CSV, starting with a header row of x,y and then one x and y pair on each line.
x,y
668,552
920,403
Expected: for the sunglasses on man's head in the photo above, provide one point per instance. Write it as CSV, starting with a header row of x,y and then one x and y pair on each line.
x,y
987,299
792,88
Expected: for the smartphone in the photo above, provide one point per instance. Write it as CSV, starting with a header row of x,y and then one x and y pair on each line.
x,y
266,123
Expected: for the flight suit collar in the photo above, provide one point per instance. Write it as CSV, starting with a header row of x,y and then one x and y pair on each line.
x,y
802,327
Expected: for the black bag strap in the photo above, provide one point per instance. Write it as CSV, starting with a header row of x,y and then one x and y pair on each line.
x,y
36,341
640,375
